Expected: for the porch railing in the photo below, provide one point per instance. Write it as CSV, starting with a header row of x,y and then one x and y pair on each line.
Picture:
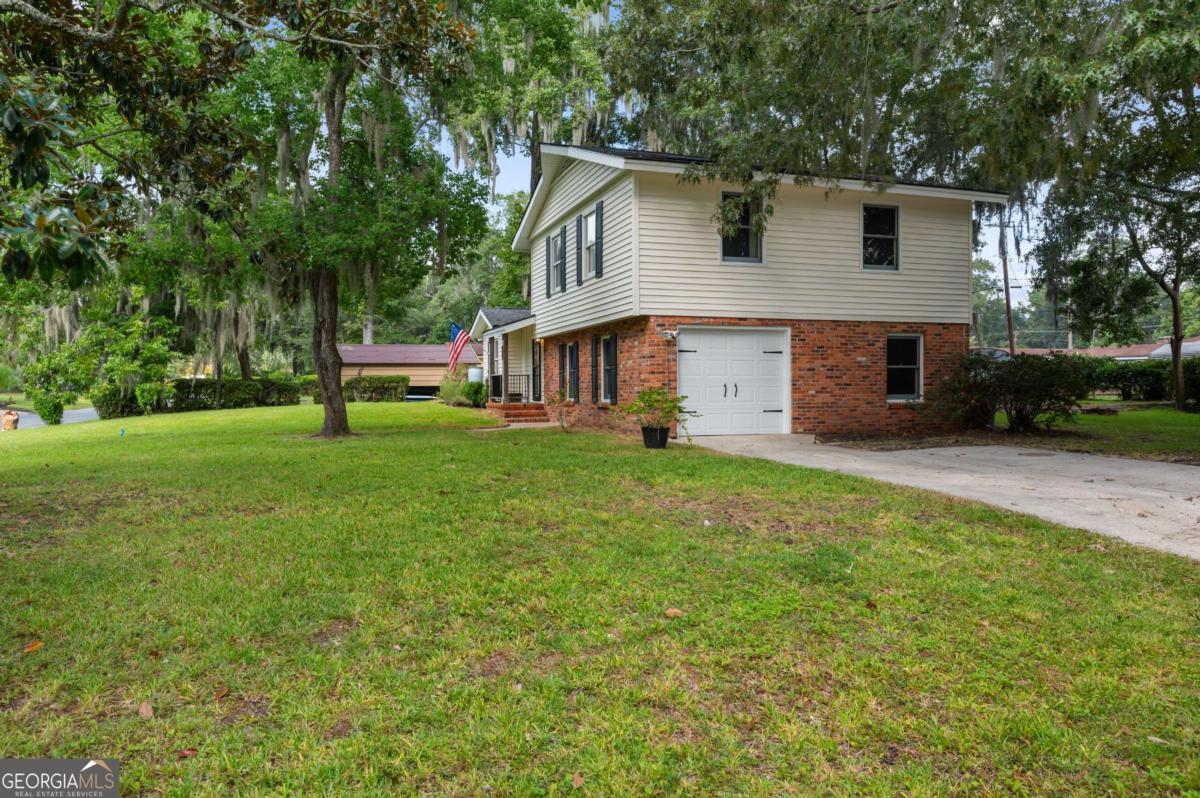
x,y
518,388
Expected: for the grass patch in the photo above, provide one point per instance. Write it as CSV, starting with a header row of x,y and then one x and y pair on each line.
x,y
425,609
1145,433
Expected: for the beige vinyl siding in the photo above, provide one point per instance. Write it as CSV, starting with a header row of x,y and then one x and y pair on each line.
x,y
576,190
421,376
812,251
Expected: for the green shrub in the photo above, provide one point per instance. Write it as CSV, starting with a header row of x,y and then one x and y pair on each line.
x,y
276,393
307,383
376,389
1141,380
1095,371
1191,379
1033,391
49,404
10,380
111,402
476,392
453,391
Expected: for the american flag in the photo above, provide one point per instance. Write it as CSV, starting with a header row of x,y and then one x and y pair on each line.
x,y
459,338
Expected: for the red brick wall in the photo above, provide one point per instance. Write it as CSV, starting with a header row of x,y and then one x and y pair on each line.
x,y
838,370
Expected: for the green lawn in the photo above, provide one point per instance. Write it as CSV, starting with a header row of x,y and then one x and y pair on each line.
x,y
1146,433
426,609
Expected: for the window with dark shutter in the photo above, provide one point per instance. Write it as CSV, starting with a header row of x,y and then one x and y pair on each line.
x,y
562,259
881,237
549,265
578,250
556,254
599,239
573,372
562,369
903,368
608,380
595,369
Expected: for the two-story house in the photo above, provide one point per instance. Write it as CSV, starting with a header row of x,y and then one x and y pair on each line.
x,y
837,318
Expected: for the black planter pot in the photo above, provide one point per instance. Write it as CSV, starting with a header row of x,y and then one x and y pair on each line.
x,y
655,437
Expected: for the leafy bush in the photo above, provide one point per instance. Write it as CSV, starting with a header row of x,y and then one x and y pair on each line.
x,y
49,404
307,383
658,407
1191,379
10,380
1143,380
453,391
276,393
1033,391
376,389
111,402
476,392
1095,371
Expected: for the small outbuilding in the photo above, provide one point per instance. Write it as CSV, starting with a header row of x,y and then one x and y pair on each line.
x,y
424,364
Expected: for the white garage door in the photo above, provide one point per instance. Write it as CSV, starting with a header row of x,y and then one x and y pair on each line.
x,y
735,380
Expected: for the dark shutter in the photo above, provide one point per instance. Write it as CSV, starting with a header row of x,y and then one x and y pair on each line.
x,y
600,238
574,354
610,365
578,250
562,260
595,369
562,369
548,267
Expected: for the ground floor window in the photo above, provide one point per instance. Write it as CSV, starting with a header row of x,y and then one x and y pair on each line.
x,y
573,371
903,367
608,369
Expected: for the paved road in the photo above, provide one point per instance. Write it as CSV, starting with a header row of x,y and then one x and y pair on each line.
x,y
1146,503
33,420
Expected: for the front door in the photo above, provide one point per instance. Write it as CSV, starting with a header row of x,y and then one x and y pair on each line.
x,y
736,380
537,370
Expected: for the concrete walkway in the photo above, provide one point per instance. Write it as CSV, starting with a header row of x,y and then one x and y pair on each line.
x,y
1146,503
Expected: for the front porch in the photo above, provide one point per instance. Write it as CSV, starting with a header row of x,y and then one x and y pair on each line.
x,y
513,365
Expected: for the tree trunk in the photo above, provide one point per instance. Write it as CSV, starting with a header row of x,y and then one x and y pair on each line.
x,y
1008,317
371,278
243,358
1177,351
322,287
322,280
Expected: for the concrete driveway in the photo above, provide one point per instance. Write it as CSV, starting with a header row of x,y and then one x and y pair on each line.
x,y
1149,504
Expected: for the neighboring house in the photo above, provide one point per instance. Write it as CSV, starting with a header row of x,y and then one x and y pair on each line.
x,y
424,364
1156,350
837,319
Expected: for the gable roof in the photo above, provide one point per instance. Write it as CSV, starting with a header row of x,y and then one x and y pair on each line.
x,y
554,157
402,354
488,319
498,317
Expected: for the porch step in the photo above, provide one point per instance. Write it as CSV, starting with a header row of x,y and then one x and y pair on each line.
x,y
527,413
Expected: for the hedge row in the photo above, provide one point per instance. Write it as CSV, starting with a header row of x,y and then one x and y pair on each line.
x,y
201,394
1140,380
364,389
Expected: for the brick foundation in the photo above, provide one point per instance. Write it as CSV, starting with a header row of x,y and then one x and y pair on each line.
x,y
838,370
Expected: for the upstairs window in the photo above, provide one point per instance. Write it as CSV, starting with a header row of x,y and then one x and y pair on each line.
x,y
589,245
557,255
903,368
745,245
881,237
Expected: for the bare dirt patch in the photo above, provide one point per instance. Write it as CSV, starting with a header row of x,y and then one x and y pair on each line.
x,y
495,664
331,634
246,709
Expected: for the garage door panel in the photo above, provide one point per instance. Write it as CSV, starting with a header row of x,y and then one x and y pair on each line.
x,y
735,379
